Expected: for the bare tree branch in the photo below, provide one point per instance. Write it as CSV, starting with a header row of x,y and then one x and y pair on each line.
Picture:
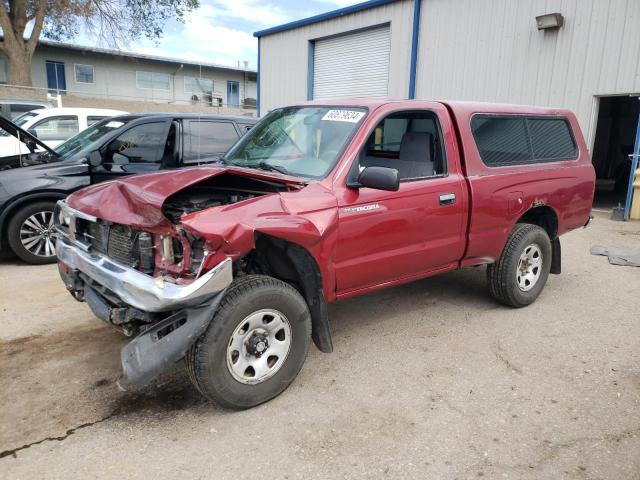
x,y
37,26
5,22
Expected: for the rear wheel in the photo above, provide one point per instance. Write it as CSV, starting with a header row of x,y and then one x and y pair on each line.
x,y
255,345
31,233
522,270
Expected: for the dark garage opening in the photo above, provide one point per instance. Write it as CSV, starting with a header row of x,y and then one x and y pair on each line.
x,y
615,137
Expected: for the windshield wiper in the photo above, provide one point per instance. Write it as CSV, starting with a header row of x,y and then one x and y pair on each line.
x,y
270,167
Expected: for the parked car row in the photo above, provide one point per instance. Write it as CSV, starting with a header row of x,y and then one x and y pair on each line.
x,y
52,126
38,174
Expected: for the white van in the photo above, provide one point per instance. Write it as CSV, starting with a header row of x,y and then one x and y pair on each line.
x,y
53,126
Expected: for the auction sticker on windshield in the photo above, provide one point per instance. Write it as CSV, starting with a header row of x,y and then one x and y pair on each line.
x,y
352,116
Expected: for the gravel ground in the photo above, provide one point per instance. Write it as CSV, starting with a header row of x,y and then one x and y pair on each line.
x,y
428,380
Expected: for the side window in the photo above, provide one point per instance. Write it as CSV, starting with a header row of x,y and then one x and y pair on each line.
x,y
501,140
91,119
56,128
140,144
410,142
504,140
205,138
551,139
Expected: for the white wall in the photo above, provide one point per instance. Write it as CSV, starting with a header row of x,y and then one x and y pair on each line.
x,y
284,55
491,50
115,77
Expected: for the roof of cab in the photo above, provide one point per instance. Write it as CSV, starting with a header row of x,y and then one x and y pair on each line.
x,y
458,106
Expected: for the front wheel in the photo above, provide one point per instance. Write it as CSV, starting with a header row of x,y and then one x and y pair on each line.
x,y
522,270
255,344
31,233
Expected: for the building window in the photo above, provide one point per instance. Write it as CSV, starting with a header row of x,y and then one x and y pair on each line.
x,y
153,81
198,85
84,73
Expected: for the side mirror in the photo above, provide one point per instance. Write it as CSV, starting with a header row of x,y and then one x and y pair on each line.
x,y
33,132
95,158
380,178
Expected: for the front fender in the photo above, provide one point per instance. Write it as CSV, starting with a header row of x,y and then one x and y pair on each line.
x,y
230,231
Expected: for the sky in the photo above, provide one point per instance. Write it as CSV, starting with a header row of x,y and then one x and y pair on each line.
x,y
221,31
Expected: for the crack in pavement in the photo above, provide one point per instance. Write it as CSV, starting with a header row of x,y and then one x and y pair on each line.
x,y
13,452
499,352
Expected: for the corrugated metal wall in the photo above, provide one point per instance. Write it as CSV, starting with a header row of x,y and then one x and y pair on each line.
x,y
484,50
491,50
284,55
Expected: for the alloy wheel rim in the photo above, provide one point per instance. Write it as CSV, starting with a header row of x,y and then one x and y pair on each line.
x,y
259,346
37,234
529,267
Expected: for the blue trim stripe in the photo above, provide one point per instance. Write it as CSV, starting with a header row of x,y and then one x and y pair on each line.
x,y
258,83
324,16
415,38
634,165
310,66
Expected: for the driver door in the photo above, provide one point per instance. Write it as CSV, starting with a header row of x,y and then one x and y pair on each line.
x,y
143,148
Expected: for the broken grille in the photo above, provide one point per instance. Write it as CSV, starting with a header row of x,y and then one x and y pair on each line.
x,y
118,242
121,245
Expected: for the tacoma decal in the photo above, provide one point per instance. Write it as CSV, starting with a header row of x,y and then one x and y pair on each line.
x,y
361,208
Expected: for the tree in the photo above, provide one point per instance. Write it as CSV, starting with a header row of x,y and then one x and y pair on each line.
x,y
114,22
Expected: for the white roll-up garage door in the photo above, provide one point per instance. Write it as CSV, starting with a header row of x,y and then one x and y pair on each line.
x,y
352,65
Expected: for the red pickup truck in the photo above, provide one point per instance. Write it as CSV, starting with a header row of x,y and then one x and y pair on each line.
x,y
232,266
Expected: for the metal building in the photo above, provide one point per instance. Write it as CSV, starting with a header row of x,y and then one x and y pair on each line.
x,y
578,54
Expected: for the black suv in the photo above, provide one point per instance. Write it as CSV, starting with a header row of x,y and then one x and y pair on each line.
x,y
31,184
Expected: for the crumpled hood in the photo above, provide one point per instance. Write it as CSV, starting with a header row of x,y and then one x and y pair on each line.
x,y
137,200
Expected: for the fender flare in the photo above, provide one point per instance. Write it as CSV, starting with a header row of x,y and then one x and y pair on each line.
x,y
311,279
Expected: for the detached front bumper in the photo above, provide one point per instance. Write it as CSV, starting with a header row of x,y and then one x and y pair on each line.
x,y
142,291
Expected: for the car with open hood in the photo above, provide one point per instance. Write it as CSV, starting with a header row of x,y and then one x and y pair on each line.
x,y
32,183
52,126
232,266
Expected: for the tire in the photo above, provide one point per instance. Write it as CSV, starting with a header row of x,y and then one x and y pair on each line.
x,y
30,233
216,363
518,284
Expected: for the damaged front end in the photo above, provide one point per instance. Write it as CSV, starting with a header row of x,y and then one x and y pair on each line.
x,y
156,278
109,266
148,285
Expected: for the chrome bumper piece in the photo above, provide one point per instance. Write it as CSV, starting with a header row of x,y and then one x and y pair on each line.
x,y
142,291
146,293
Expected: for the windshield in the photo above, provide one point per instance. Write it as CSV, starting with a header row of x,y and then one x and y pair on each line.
x,y
24,118
20,121
90,135
300,141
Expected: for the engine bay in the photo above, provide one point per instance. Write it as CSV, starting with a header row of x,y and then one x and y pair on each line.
x,y
223,190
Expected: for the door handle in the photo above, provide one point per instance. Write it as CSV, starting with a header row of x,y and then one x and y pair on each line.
x,y
447,199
